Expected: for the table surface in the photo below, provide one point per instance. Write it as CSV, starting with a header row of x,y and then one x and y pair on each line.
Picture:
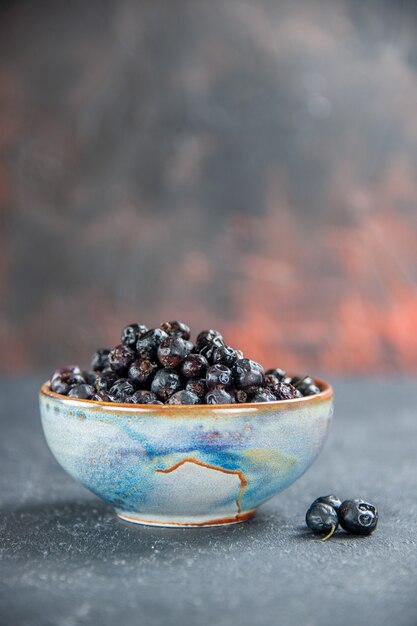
x,y
66,560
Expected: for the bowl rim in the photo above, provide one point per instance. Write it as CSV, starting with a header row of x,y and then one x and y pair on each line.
x,y
326,393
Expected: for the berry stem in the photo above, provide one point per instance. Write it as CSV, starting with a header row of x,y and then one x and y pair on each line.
x,y
330,533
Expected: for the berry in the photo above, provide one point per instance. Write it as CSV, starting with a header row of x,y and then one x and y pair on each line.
x,y
322,519
208,337
83,392
271,381
225,355
120,358
305,385
330,500
131,333
67,370
183,397
142,371
248,375
282,391
65,378
358,517
147,345
121,390
144,396
197,386
100,359
277,372
220,396
105,380
176,329
171,351
165,383
241,396
194,366
219,376
89,377
263,395
102,396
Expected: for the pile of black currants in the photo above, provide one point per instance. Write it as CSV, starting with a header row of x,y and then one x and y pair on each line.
x,y
162,366
356,517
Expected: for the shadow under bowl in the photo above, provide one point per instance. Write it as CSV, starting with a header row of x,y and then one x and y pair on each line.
x,y
199,465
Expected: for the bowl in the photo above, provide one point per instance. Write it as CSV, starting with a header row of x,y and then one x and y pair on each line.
x,y
200,465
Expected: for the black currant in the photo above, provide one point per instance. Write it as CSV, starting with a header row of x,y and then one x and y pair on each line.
x,y
322,519
183,397
100,359
219,376
171,351
225,355
176,329
330,500
194,366
197,386
120,358
142,371
83,392
220,396
131,334
263,395
283,391
248,375
121,390
358,517
143,396
165,383
147,345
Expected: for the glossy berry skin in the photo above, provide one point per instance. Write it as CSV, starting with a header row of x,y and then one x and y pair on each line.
x,y
305,385
166,383
225,355
147,345
219,376
194,366
197,386
220,396
100,359
277,372
82,392
176,329
144,396
120,358
282,391
358,517
141,372
62,383
121,390
105,380
183,397
330,500
102,396
263,395
248,375
131,334
321,518
171,351
66,370
208,337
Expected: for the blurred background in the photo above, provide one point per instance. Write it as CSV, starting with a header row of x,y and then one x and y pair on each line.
x,y
247,166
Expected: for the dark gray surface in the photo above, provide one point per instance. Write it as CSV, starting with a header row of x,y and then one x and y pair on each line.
x,y
66,560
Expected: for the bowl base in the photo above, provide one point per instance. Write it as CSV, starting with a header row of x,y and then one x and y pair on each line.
x,y
197,521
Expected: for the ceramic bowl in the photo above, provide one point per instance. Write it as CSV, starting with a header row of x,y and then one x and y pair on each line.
x,y
200,465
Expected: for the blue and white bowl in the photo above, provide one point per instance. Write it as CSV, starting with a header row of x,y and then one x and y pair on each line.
x,y
200,465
